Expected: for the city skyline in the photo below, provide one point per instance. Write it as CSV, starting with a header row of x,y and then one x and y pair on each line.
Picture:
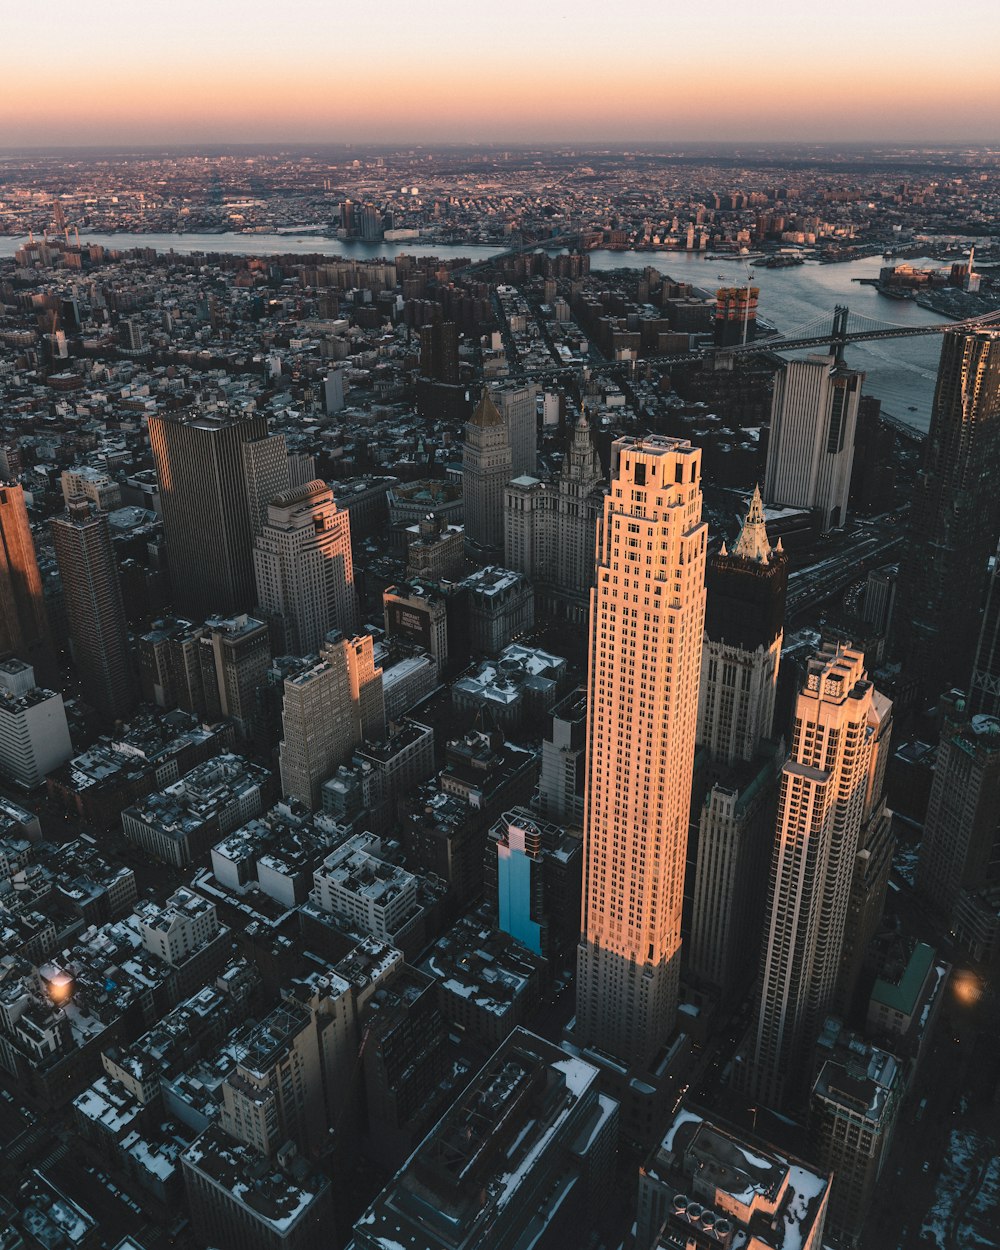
x,y
191,74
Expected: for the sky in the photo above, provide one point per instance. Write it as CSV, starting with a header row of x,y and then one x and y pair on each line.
x,y
425,71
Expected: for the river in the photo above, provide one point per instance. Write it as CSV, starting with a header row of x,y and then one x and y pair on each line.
x,y
900,372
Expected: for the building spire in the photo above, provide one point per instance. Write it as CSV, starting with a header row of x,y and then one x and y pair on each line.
x,y
753,543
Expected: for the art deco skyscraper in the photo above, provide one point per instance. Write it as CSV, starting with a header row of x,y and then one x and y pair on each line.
x,y
955,516
486,468
217,471
24,625
94,608
305,576
646,619
824,796
739,672
811,448
744,620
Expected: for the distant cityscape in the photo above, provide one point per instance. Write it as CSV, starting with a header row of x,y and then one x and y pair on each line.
x,y
499,699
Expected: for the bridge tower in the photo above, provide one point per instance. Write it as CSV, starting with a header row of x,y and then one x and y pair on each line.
x,y
840,314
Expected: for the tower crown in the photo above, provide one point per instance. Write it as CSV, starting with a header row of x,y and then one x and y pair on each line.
x,y
753,543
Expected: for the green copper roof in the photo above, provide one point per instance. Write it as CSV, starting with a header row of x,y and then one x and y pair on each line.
x,y
903,997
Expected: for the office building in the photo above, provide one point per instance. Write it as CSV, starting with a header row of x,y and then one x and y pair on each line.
x,y
744,620
418,613
518,405
854,1110
955,516
550,525
984,688
24,623
646,621
333,392
217,473
811,447
305,574
709,1186
235,654
435,550
501,607
486,469
533,874
241,1200
958,850
331,707
821,809
95,612
879,598
84,482
34,735
524,1156
563,777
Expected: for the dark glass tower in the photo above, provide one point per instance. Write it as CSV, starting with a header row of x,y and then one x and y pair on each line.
x,y
955,517
984,689
24,625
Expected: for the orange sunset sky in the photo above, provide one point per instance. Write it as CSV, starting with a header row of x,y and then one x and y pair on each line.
x,y
194,71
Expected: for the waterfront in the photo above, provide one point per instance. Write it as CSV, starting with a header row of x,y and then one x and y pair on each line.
x,y
900,372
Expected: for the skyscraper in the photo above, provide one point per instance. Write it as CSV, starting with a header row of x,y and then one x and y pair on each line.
x,y
24,625
486,462
821,808
955,516
958,851
329,709
739,673
439,351
94,607
984,688
646,620
518,407
305,576
811,448
744,619
217,471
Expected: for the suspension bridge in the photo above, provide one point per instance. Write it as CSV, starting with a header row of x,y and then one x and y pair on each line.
x,y
850,327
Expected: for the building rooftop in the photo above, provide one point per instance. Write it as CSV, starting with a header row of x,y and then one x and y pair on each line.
x,y
903,994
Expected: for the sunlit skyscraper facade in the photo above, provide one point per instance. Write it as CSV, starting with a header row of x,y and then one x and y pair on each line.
x,y
646,619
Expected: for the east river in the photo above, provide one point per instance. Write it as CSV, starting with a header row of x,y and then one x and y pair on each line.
x,y
900,372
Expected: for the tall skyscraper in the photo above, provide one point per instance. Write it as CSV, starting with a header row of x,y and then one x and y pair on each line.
x,y
646,620
305,575
94,608
960,848
821,808
439,351
549,527
739,673
329,709
518,407
217,472
486,461
984,688
744,620
811,448
955,516
24,624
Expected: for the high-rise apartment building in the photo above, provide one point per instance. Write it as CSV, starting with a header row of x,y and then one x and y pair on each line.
x,y
735,315
646,621
984,688
24,624
824,789
439,351
518,405
217,472
94,608
305,574
811,448
486,469
235,655
744,622
329,709
955,516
